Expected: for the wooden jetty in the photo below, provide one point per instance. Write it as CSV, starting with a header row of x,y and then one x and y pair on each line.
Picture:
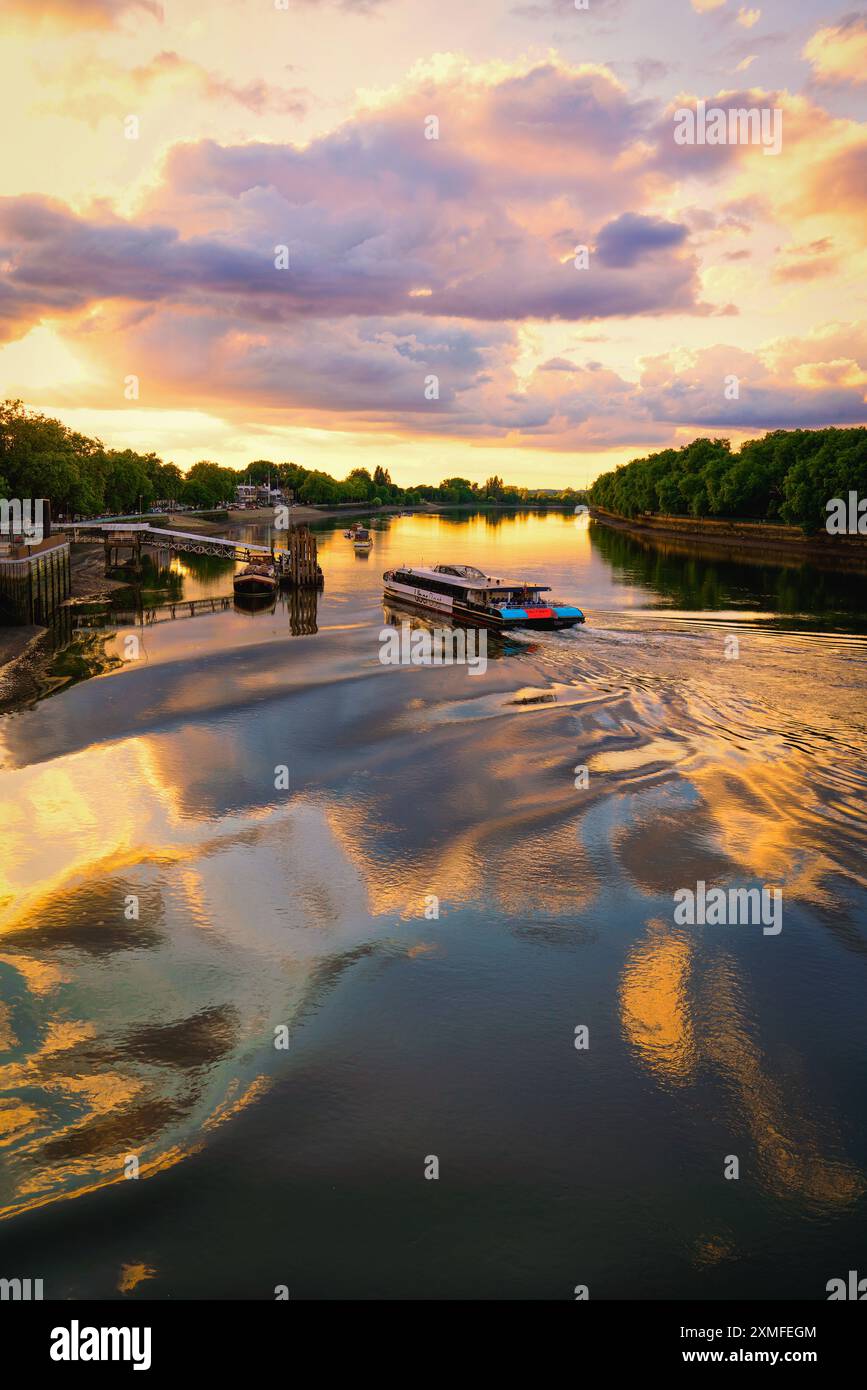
x,y
297,563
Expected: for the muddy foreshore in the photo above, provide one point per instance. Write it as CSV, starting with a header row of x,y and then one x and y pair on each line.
x,y
29,662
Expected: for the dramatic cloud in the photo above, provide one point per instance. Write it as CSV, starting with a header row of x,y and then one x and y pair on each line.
x,y
419,268
482,223
693,393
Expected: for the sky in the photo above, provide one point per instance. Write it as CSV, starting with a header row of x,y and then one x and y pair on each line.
x,y
346,232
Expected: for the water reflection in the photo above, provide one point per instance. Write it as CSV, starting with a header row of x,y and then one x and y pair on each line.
x,y
397,614
690,577
145,1031
255,603
684,1012
125,1030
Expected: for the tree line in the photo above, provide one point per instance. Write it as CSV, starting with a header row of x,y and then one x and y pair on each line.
x,y
787,475
41,457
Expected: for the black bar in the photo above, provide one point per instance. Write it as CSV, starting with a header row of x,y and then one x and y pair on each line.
x,y
256,1338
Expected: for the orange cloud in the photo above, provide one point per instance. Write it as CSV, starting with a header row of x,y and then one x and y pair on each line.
x,y
807,262
94,89
838,53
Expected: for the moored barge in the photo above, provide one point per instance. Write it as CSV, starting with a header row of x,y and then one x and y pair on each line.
x,y
256,580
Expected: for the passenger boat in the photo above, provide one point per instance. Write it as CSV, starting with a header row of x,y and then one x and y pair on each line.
x,y
256,579
465,593
362,540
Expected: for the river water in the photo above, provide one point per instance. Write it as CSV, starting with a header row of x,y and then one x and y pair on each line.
x,y
278,996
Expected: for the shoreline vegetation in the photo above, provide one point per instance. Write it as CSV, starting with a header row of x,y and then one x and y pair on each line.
x,y
787,477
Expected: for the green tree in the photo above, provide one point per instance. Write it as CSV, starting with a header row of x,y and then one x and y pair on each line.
x,y
787,474
207,484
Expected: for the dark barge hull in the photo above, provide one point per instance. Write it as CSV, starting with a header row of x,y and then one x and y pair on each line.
x,y
254,587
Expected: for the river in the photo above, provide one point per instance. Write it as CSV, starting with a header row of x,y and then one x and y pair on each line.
x,y
285,930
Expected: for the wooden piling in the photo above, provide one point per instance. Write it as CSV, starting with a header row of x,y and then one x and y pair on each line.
x,y
300,564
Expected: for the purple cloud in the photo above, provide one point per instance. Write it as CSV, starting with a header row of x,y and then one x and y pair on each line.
x,y
631,237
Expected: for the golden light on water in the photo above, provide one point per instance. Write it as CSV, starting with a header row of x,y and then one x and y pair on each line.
x,y
655,1004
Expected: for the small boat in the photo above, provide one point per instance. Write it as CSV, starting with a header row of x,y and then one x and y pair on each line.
x,y
362,540
353,531
256,579
468,594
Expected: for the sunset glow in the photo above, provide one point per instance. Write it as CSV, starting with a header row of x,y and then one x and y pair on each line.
x,y
431,172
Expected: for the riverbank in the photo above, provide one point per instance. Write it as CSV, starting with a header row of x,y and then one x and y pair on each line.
x,y
258,516
783,544
23,654
26,652
14,642
87,573
200,525
309,515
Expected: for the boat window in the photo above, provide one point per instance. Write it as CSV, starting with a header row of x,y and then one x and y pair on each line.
x,y
460,571
423,581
